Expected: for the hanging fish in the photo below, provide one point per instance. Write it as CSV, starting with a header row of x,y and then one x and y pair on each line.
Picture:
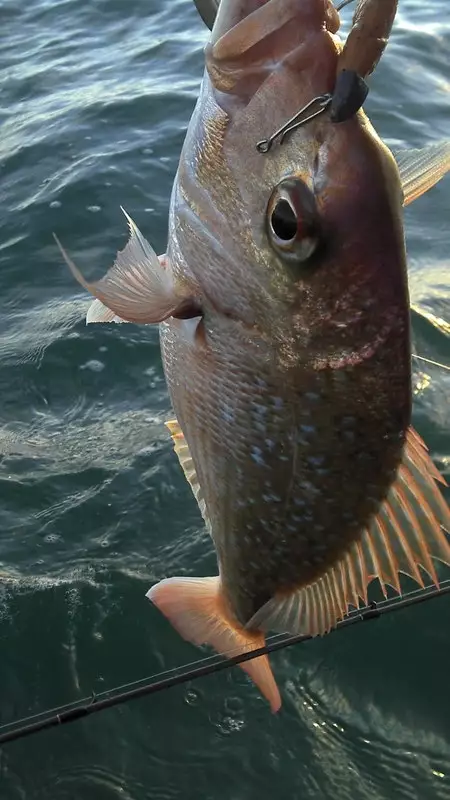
x,y
285,334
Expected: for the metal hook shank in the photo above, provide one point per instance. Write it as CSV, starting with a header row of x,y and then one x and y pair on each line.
x,y
323,101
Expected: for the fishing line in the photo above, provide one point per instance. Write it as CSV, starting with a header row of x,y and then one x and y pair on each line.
x,y
429,361
177,676
343,4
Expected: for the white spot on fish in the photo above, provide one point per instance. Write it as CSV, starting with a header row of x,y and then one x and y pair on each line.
x,y
270,444
312,396
271,498
315,461
227,414
307,429
259,409
258,457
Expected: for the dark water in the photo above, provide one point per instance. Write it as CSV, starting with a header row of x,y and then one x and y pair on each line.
x,y
95,99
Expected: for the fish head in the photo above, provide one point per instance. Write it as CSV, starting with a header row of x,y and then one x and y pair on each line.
x,y
302,244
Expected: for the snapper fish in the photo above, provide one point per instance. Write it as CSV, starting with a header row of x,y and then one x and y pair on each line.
x,y
284,321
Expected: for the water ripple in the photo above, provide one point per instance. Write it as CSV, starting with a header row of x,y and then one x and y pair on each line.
x,y
93,506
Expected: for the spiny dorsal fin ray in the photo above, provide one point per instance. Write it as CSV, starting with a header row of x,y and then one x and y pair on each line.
x,y
406,534
187,465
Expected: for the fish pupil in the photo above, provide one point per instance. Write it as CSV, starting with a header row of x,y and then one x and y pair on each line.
x,y
284,221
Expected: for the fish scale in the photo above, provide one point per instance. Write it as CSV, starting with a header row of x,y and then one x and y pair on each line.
x,y
287,495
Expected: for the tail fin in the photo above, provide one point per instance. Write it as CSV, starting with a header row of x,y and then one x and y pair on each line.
x,y
195,607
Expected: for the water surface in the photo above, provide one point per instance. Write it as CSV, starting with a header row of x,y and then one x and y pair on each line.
x,y
95,100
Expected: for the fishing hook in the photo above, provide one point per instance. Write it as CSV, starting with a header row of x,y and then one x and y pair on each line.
x,y
343,4
322,100
371,26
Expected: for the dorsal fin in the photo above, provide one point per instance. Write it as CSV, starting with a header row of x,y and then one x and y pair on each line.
x,y
421,169
408,532
187,465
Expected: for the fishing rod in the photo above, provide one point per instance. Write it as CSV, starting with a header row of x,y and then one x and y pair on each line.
x,y
80,709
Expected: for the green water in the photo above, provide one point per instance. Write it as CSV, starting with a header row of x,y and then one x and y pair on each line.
x,y
95,99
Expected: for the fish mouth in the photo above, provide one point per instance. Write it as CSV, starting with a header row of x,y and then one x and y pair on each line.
x,y
208,11
252,38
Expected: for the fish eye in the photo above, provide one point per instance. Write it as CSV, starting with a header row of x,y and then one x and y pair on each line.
x,y
284,221
292,220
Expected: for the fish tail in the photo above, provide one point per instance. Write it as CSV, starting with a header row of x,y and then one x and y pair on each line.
x,y
196,609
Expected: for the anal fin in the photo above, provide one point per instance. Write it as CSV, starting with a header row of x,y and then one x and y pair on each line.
x,y
406,535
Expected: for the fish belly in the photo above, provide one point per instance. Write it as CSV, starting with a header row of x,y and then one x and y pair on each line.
x,y
292,463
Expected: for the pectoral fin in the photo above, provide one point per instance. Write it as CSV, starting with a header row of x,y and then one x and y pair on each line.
x,y
139,287
97,312
421,169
